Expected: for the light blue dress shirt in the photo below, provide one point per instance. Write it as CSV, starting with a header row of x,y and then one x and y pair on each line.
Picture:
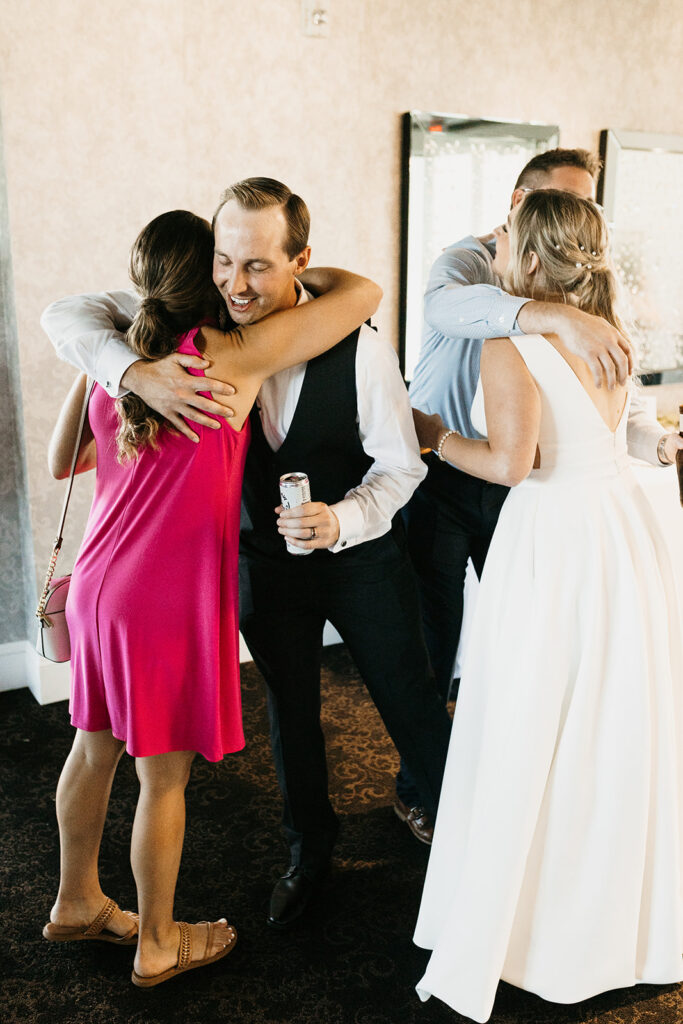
x,y
464,304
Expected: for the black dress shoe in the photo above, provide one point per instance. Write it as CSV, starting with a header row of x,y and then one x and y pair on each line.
x,y
291,896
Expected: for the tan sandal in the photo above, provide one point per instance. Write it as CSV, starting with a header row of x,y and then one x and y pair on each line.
x,y
185,961
97,930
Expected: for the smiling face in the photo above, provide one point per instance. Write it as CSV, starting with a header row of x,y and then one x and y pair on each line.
x,y
251,268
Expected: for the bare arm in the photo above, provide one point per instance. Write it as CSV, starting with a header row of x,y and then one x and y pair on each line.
x,y
295,335
256,351
513,413
61,447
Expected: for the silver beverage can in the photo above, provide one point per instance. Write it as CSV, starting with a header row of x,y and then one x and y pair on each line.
x,y
295,490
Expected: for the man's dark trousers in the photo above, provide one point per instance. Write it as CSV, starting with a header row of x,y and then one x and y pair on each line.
x,y
374,606
450,519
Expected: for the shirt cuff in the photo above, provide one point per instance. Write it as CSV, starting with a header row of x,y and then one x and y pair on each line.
x,y
351,524
503,315
111,366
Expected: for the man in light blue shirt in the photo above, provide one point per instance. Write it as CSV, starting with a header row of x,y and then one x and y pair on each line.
x,y
452,515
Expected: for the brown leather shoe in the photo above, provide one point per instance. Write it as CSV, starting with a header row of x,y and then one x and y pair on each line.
x,y
417,820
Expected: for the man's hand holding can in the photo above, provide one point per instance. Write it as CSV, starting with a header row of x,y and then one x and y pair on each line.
x,y
308,526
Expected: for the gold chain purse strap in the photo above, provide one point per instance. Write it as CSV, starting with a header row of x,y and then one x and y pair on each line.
x,y
40,610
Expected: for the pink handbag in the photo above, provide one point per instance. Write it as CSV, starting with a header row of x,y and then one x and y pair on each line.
x,y
53,640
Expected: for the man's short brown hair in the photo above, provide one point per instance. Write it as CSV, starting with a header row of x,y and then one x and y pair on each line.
x,y
533,175
260,193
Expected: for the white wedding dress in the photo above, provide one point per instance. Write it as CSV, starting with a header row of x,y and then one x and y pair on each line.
x,y
557,859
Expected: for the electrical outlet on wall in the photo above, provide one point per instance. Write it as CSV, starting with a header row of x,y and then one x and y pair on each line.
x,y
315,17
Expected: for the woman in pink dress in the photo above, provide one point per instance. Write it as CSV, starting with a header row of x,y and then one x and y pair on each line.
x,y
152,607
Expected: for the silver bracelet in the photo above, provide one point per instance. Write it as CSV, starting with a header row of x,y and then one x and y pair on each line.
x,y
439,448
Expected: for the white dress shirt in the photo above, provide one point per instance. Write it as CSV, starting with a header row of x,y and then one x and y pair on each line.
x,y
88,332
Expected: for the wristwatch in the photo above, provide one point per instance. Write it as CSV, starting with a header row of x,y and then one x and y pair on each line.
x,y
661,454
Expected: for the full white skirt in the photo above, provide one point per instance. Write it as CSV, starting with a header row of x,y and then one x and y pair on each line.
x,y
557,862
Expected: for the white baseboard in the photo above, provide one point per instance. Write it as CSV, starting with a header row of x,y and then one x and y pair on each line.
x,y
54,680
14,672
20,665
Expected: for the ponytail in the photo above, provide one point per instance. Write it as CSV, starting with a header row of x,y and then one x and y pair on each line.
x,y
152,333
597,294
170,264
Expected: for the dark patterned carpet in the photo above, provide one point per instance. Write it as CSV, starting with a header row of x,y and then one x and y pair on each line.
x,y
350,961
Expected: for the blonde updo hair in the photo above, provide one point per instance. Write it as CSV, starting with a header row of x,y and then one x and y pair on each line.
x,y
170,265
569,236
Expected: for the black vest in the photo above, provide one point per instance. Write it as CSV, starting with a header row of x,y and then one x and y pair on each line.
x,y
322,442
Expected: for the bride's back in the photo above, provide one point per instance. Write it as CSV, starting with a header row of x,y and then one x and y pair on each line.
x,y
609,403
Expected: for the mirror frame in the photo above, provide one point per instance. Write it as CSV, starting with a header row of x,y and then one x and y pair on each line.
x,y
612,143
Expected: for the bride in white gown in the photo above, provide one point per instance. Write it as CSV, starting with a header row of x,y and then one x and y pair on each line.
x,y
557,858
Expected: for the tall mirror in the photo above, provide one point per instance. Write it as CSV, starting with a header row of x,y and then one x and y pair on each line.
x,y
640,189
458,174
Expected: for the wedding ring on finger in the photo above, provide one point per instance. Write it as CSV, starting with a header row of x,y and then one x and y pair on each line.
x,y
313,533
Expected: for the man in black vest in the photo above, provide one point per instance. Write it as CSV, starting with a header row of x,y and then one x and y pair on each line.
x,y
343,419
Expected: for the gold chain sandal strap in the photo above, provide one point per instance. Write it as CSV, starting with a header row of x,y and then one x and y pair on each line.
x,y
185,947
103,918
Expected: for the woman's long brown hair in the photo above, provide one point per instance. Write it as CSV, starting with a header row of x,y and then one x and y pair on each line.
x,y
170,265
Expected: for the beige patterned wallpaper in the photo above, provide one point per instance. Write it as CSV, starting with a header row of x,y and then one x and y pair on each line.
x,y
116,111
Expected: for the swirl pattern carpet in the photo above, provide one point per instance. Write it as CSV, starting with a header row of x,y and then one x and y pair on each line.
x,y
350,960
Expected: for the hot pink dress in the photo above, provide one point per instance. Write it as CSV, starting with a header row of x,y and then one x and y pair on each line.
x,y
153,605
